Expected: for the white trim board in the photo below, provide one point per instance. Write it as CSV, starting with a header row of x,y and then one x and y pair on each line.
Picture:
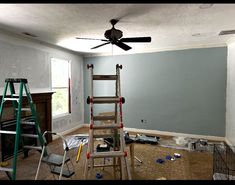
x,y
158,132
228,142
164,133
68,131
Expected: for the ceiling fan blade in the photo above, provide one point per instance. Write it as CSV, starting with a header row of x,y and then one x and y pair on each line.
x,y
91,39
122,45
100,45
136,39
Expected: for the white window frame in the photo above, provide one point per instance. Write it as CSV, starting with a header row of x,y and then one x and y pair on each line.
x,y
68,112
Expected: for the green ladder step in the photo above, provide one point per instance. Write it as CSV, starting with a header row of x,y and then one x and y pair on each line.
x,y
65,173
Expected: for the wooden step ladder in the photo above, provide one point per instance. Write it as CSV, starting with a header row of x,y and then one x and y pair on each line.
x,y
19,122
118,153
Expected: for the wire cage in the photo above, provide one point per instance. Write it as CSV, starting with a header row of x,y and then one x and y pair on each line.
x,y
223,162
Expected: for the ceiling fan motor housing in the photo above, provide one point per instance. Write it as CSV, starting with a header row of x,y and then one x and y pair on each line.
x,y
113,34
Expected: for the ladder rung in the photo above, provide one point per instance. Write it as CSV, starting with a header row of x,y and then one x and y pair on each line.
x,y
11,99
33,147
17,95
104,77
106,165
107,154
111,99
30,135
106,126
16,80
28,123
103,118
24,109
6,169
7,132
102,135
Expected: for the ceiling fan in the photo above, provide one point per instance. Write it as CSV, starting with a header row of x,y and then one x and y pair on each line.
x,y
114,36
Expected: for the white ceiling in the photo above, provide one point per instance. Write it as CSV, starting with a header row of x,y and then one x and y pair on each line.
x,y
169,25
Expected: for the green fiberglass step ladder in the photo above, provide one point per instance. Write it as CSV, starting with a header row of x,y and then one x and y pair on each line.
x,y
118,154
17,100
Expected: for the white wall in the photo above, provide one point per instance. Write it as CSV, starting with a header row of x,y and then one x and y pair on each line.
x,y
230,100
22,58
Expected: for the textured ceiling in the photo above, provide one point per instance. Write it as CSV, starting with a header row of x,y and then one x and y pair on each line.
x,y
170,25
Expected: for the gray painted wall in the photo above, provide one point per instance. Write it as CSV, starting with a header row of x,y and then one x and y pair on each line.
x,y
22,58
177,91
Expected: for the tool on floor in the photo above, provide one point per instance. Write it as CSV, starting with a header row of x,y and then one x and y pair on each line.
x,y
141,138
4,164
20,123
118,151
79,153
56,162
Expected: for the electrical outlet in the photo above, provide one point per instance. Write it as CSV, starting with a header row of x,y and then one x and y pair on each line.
x,y
143,121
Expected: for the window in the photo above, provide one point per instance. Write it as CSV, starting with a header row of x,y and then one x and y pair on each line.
x,y
60,75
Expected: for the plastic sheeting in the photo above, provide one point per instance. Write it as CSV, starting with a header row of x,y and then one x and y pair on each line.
x,y
74,141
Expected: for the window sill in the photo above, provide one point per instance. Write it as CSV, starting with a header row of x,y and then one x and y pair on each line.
x,y
61,115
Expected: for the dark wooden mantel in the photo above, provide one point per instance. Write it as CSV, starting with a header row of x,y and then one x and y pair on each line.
x,y
42,101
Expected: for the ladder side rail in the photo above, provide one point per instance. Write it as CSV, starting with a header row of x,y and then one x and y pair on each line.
x,y
91,139
123,144
12,91
115,134
90,145
18,131
118,67
40,162
115,137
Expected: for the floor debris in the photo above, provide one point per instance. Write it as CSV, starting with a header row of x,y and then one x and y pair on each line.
x,y
99,176
177,155
141,138
161,178
168,157
74,141
160,161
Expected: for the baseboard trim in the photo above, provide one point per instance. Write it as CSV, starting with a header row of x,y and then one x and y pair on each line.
x,y
68,131
228,142
164,133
